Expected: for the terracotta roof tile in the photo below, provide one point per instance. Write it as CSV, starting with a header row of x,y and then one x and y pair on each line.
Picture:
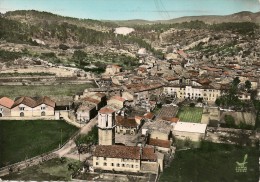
x,y
159,143
26,101
106,110
125,122
118,98
6,102
117,151
148,154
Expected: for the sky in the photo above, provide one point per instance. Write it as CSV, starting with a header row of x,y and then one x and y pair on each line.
x,y
132,9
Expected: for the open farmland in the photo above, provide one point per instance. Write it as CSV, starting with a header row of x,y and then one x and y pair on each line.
x,y
53,91
20,140
214,163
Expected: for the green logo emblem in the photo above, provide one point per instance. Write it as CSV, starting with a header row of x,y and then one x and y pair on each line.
x,y
241,166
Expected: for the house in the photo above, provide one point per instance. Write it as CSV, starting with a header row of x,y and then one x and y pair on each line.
x,y
116,100
26,106
187,130
125,158
5,106
113,69
86,111
127,125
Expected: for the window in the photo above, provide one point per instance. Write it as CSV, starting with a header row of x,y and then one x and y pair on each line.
x,y
132,166
112,164
123,165
105,164
21,108
96,163
136,166
106,123
117,165
105,158
43,113
97,158
1,109
43,108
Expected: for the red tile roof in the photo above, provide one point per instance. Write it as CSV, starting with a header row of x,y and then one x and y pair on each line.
x,y
125,122
117,151
149,115
125,152
106,110
118,98
159,143
45,100
30,102
6,102
173,120
89,99
26,101
149,154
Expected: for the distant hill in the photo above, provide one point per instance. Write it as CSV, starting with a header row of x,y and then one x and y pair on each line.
x,y
33,17
244,16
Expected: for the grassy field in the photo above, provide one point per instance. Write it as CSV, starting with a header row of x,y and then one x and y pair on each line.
x,y
25,139
190,114
52,170
212,163
53,91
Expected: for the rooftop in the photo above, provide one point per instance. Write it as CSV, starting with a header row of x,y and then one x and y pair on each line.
x,y
190,127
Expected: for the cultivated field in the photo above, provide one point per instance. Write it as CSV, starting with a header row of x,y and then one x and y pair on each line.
x,y
52,170
20,140
190,114
53,91
214,163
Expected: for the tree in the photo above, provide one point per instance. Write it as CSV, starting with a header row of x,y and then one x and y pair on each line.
x,y
248,85
230,121
218,102
235,82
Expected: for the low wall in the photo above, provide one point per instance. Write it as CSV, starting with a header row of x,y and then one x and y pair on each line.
x,y
27,163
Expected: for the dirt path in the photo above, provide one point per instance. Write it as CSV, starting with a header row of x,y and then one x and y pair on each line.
x,y
70,145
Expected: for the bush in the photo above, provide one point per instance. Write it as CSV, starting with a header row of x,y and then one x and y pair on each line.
x,y
192,104
63,47
230,121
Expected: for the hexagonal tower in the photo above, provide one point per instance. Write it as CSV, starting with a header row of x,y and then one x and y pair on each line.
x,y
106,126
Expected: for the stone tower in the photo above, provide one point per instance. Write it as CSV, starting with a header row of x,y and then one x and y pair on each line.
x,y
106,126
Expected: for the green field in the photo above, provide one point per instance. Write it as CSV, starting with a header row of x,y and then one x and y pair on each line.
x,y
53,91
213,163
52,170
20,140
190,114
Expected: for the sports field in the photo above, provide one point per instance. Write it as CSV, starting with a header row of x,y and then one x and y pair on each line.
x,y
20,140
190,114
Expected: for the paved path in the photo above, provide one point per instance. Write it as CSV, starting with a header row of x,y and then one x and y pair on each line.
x,y
70,145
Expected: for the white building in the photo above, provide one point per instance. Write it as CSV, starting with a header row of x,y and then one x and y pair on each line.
x,y
193,131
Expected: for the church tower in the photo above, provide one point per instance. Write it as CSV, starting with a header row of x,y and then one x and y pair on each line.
x,y
106,126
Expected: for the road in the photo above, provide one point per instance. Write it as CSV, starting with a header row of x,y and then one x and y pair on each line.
x,y
69,148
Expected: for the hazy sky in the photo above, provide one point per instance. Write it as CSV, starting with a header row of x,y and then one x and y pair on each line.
x,y
133,9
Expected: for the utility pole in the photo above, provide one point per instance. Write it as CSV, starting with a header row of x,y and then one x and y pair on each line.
x,y
60,138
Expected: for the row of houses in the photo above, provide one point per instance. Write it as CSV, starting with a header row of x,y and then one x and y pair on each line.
x,y
27,107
